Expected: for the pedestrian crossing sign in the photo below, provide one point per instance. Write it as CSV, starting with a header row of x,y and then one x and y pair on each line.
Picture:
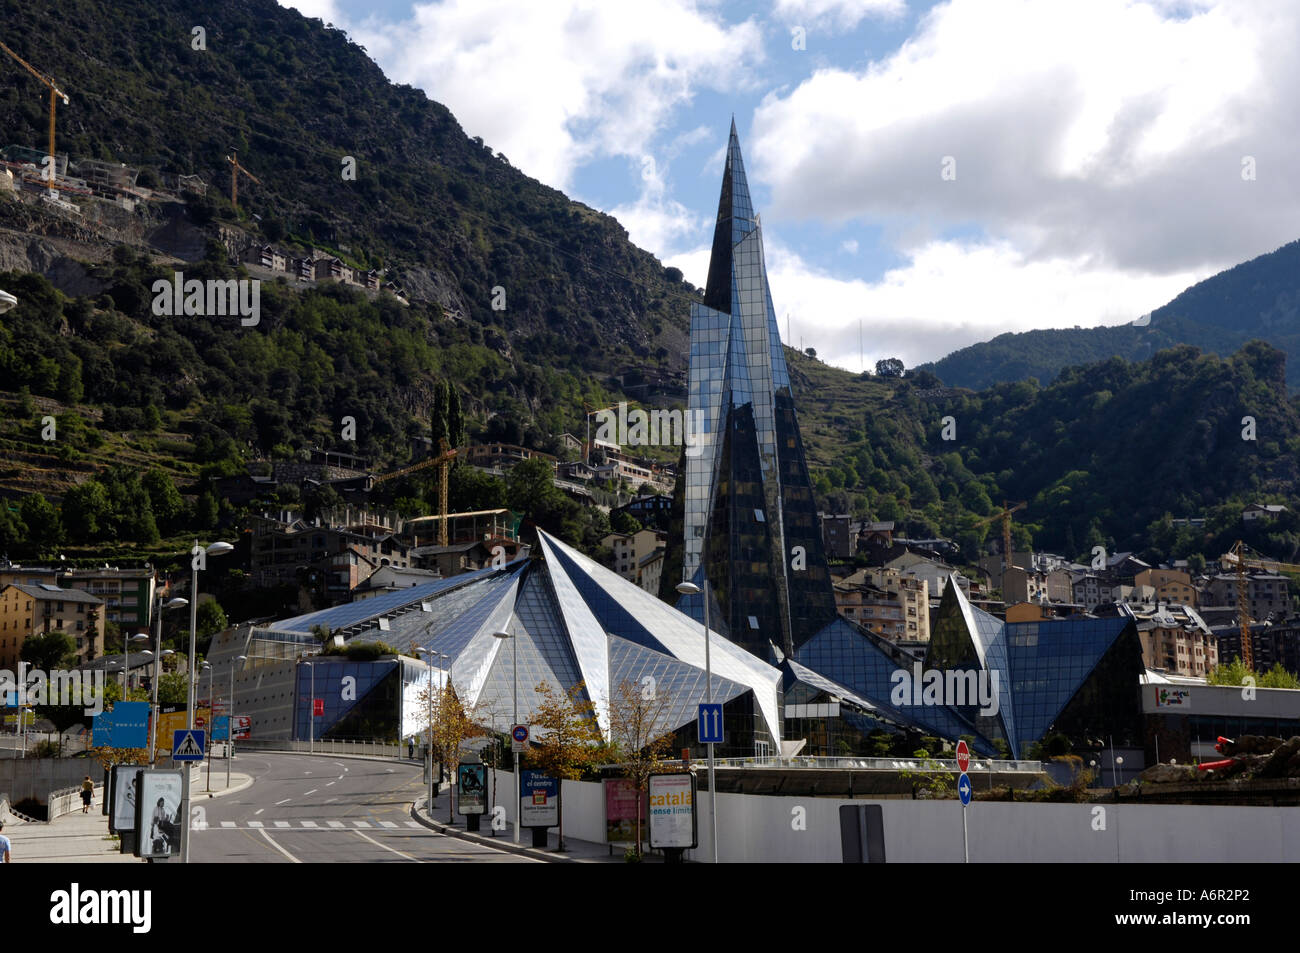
x,y
187,745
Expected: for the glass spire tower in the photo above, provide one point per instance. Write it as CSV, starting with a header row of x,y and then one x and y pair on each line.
x,y
749,519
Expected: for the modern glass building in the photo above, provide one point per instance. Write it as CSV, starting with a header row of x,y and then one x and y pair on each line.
x,y
571,620
749,520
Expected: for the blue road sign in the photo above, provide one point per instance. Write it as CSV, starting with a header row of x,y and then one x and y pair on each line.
x,y
221,728
709,720
187,745
963,788
126,726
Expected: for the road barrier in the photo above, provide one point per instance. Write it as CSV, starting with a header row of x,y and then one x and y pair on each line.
x,y
376,749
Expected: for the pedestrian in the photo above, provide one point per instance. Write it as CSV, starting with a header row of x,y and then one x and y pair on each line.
x,y
4,846
87,792
410,747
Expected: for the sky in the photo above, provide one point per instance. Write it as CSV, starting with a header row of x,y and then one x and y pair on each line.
x,y
928,174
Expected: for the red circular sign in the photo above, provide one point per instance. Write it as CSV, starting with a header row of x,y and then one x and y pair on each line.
x,y
963,756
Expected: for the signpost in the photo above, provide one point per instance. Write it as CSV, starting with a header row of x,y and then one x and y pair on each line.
x,y
519,738
709,721
964,791
673,825
187,745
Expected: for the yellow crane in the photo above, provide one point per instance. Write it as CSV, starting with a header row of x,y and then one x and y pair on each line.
x,y
443,462
1237,556
55,95
1005,516
235,169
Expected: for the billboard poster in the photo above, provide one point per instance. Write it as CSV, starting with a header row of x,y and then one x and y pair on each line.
x,y
158,814
620,812
173,719
1169,697
672,810
126,726
122,816
471,789
539,800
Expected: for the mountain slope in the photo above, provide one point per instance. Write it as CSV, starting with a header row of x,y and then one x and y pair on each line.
x,y
1256,300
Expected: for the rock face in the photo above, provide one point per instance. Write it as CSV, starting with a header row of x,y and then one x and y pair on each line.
x,y
1250,744
1284,762
1168,774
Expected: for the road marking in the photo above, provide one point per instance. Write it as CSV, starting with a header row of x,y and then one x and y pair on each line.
x,y
281,823
335,824
415,824
339,764
331,783
389,770
292,858
399,853
330,799
256,825
389,824
312,791
306,772
362,824
285,801
227,823
258,811
308,823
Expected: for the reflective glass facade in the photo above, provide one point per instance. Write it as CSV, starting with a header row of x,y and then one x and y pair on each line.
x,y
749,519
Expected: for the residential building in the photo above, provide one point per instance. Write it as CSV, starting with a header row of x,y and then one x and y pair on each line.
x,y
837,536
650,570
1268,594
936,574
1262,511
886,602
1175,640
631,548
1171,585
35,610
503,456
653,511
1270,644
127,593
454,559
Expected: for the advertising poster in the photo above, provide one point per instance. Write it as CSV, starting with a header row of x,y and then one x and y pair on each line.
x,y
672,810
620,812
471,789
539,800
122,817
158,814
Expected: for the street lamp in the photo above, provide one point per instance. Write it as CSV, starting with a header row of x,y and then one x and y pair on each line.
x,y
514,658
311,712
158,654
421,650
230,720
690,589
126,658
198,553
207,753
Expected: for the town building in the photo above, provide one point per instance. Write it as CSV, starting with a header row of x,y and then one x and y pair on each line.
x,y
1171,585
1268,594
886,602
27,610
837,535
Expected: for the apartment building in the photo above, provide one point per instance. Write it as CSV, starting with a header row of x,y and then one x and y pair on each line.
x,y
886,601
34,610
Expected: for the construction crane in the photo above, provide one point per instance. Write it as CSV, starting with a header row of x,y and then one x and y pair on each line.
x,y
1005,516
55,95
443,462
235,169
1237,556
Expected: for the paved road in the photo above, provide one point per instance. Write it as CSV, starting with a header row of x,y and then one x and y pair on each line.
x,y
305,809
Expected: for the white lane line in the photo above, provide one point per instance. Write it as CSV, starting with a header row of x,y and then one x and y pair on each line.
x,y
292,858
416,824
227,823
256,825
308,823
330,783
339,764
312,791
281,823
389,770
335,824
258,811
362,824
415,860
285,801
329,799
306,772
388,824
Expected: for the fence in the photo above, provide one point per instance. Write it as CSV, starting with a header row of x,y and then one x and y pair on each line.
x,y
66,800
374,749
877,764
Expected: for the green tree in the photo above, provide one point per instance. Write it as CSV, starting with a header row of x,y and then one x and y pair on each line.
x,y
641,735
438,412
44,529
568,737
173,688
531,490
210,619
86,511
50,651
164,499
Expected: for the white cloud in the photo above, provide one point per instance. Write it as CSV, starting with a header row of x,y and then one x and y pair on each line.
x,y
843,14
552,85
849,246
326,10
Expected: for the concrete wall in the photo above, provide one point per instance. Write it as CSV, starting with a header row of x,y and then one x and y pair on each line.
x,y
760,829
21,778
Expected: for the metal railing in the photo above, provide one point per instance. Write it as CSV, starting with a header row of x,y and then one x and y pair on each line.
x,y
66,800
878,764
376,749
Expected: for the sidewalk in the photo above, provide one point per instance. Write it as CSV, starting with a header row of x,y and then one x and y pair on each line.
x,y
84,838
575,850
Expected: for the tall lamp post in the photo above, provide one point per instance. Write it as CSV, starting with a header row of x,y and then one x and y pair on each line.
x,y
690,589
514,658
207,753
198,561
422,650
230,719
158,654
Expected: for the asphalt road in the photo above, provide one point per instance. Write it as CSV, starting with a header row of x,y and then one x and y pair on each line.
x,y
323,809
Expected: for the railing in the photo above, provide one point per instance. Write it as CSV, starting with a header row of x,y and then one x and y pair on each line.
x,y
875,764
66,800
376,749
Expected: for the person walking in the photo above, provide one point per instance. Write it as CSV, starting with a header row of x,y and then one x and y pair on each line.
x,y
4,846
87,792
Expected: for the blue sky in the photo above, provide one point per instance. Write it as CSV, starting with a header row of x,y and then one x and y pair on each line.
x,y
933,174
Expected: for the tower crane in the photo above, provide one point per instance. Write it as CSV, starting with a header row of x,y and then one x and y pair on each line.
x,y
1005,516
235,169
443,462
1237,557
55,95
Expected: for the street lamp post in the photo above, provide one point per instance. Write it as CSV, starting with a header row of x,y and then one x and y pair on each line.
x,y
158,654
198,560
690,589
514,658
444,672
311,711
422,650
230,719
207,754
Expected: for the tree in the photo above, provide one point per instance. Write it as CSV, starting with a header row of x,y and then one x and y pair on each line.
x,y
210,618
164,498
621,521
641,735
49,651
451,726
456,434
438,414
531,490
889,367
811,352
173,688
569,739
42,520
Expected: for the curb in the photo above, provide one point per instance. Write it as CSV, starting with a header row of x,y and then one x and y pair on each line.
x,y
235,789
493,842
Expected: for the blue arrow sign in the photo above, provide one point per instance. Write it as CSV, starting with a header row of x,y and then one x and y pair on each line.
x,y
187,745
963,788
709,722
